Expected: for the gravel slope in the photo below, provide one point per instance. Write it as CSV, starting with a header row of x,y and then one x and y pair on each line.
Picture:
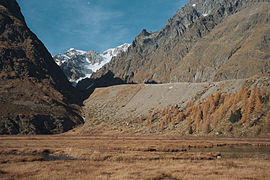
x,y
117,108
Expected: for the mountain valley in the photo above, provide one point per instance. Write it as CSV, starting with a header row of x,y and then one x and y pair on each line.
x,y
208,47
190,101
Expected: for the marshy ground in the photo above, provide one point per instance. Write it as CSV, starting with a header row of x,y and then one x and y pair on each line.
x,y
134,157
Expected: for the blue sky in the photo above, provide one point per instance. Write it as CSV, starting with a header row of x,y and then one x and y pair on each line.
x,y
94,24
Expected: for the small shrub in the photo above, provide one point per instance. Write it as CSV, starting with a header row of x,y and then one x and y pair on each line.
x,y
190,130
265,99
235,116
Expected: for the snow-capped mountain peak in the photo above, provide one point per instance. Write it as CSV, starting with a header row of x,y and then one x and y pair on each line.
x,y
110,53
78,64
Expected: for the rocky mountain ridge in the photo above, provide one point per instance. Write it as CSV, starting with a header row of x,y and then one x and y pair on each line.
x,y
78,65
204,41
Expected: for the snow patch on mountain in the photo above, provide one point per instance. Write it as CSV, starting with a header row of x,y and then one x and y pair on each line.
x,y
78,64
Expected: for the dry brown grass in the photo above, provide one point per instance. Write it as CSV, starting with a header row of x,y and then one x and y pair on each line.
x,y
115,157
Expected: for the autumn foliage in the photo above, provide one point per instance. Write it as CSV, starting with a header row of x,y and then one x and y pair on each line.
x,y
247,108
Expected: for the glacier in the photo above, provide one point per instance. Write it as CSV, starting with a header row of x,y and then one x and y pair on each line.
x,y
78,65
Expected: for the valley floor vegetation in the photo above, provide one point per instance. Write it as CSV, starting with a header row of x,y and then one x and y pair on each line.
x,y
133,157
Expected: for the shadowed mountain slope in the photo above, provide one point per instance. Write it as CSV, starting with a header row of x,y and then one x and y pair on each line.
x,y
35,95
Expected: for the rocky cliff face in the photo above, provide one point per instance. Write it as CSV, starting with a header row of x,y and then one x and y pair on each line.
x,y
35,95
205,41
78,65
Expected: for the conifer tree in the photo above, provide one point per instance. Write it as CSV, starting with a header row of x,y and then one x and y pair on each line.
x,y
206,107
241,92
217,98
162,125
193,112
150,119
188,111
206,117
221,112
258,104
212,104
245,105
188,121
232,102
198,117
244,92
251,101
215,117
210,97
206,126
244,118
167,118
227,100
190,104
173,121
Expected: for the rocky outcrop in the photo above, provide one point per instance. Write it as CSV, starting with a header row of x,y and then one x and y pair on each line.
x,y
78,64
204,41
35,95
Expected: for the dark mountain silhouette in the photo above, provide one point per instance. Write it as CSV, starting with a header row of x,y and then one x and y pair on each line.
x,y
35,95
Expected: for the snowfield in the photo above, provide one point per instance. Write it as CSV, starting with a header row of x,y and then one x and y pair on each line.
x,y
78,64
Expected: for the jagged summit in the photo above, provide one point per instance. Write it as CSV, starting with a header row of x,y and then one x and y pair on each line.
x,y
78,64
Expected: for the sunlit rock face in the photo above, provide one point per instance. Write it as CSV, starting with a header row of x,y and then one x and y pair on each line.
x,y
204,41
